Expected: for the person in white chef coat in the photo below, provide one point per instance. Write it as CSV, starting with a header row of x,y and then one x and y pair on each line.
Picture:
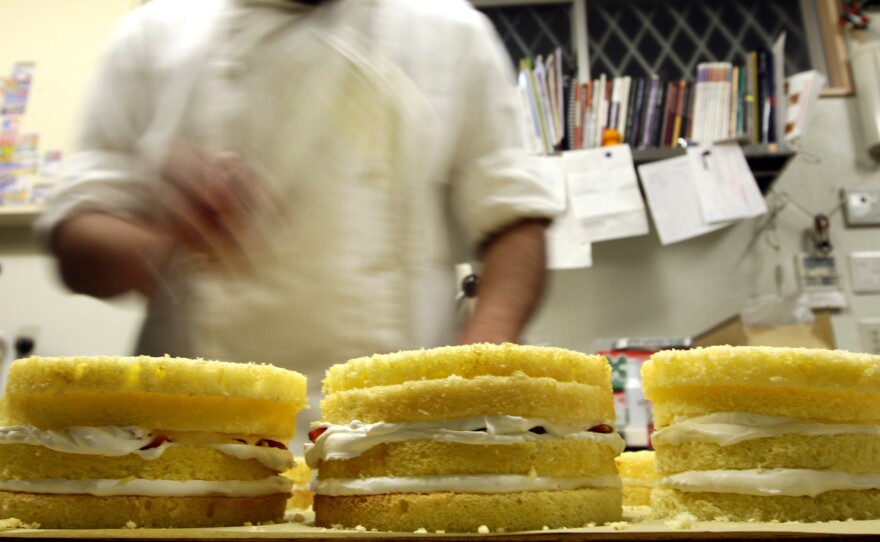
x,y
293,183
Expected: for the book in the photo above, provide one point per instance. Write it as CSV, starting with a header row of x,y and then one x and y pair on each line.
x,y
635,130
754,108
650,113
678,119
669,103
765,95
625,92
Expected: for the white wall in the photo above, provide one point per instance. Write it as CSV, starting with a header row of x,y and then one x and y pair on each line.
x,y
639,288
636,288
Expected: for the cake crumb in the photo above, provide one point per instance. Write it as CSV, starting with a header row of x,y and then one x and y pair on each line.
x,y
248,524
685,520
440,531
421,530
545,528
482,529
590,524
618,525
15,523
500,530
131,525
360,528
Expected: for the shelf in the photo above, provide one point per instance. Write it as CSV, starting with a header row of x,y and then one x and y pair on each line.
x,y
766,161
19,216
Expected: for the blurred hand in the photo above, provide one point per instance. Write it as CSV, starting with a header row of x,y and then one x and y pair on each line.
x,y
213,205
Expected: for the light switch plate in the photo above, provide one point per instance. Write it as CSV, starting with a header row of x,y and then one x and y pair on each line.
x,y
865,269
869,335
862,206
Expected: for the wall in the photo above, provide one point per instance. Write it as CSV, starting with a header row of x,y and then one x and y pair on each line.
x,y
636,288
639,288
65,42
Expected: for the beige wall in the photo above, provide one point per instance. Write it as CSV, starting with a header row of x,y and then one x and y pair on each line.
x,y
64,39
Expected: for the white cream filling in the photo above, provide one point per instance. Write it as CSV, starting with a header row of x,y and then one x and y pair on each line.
x,y
728,428
788,482
486,484
120,441
347,441
152,488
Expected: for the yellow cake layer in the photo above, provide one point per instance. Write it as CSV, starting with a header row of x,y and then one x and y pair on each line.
x,y
88,512
300,474
639,465
456,397
638,476
165,375
556,458
840,406
27,462
636,495
771,367
467,512
830,506
238,415
857,454
468,361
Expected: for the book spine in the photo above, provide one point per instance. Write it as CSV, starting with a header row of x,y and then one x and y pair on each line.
x,y
670,101
680,102
650,112
635,130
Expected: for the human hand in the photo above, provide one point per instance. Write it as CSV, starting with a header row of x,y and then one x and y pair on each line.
x,y
213,205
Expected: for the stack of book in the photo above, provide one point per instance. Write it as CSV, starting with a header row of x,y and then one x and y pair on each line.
x,y
725,101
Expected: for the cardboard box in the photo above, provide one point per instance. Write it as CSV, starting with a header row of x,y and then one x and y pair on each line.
x,y
732,332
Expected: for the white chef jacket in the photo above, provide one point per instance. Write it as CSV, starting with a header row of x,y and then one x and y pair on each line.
x,y
386,130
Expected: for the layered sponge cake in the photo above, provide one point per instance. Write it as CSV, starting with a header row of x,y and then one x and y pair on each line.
x,y
636,469
105,442
766,434
462,438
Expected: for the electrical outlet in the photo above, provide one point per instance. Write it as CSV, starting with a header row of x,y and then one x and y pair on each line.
x,y
869,335
862,206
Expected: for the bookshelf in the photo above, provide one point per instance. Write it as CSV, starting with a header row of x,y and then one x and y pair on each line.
x,y
636,38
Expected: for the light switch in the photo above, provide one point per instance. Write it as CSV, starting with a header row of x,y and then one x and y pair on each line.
x,y
869,334
865,269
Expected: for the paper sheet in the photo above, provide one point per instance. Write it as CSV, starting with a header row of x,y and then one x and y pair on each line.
x,y
726,186
671,190
568,242
604,192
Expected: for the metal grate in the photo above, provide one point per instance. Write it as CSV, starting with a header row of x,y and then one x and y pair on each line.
x,y
668,38
532,30
640,37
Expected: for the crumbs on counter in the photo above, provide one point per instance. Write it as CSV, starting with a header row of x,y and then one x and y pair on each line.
x,y
685,520
15,523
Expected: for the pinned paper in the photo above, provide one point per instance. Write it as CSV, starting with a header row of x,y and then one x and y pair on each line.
x,y
725,183
604,193
671,190
568,242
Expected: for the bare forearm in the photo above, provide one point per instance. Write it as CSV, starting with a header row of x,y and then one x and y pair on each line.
x,y
511,284
104,256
